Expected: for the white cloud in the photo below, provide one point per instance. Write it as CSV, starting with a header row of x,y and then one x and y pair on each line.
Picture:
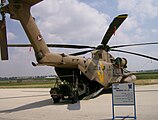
x,y
130,24
11,36
128,5
98,3
19,64
139,31
142,8
154,30
70,21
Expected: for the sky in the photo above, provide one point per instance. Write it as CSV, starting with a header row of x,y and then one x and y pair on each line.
x,y
85,22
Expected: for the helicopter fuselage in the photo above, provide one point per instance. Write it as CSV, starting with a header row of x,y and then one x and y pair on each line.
x,y
100,71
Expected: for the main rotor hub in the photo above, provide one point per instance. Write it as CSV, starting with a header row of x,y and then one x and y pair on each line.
x,y
103,47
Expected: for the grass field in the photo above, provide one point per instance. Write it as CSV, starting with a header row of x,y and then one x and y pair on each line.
x,y
142,79
26,84
150,75
146,78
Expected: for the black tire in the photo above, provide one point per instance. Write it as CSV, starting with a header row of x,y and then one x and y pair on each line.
x,y
56,100
87,90
75,97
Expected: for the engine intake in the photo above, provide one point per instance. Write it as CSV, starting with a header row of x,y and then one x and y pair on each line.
x,y
121,62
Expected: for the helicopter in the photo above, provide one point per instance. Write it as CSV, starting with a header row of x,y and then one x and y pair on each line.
x,y
80,77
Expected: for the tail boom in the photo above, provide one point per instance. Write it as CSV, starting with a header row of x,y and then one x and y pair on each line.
x,y
20,10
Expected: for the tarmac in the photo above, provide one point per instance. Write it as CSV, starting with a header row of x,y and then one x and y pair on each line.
x,y
36,104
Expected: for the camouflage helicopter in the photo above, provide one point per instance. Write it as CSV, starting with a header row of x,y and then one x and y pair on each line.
x,y
80,77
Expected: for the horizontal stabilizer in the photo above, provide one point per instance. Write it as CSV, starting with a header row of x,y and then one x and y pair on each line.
x,y
32,2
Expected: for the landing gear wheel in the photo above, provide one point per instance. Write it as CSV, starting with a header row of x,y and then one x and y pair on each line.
x,y
87,90
75,97
56,100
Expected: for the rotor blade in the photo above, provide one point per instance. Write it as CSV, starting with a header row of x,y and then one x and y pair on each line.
x,y
69,46
54,45
113,27
146,56
3,41
19,45
81,53
117,46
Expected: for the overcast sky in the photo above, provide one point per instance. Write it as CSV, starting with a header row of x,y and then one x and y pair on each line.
x,y
85,22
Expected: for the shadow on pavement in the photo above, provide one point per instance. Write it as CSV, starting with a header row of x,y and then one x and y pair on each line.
x,y
30,106
43,103
25,96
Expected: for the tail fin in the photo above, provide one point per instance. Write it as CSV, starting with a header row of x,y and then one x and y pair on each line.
x,y
20,10
3,41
